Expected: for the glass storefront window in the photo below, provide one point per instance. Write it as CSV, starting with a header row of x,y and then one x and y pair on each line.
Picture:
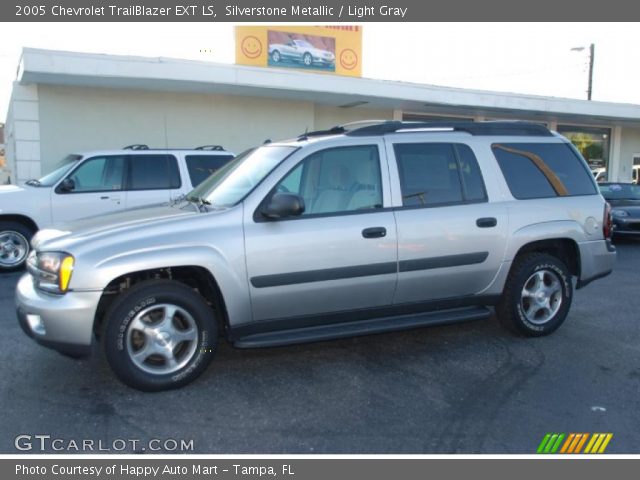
x,y
593,143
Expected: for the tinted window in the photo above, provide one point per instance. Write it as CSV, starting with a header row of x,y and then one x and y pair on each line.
x,y
99,174
428,174
541,170
337,180
472,182
201,166
153,172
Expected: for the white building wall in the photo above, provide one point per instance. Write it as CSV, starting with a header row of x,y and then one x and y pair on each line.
x,y
74,119
22,134
629,147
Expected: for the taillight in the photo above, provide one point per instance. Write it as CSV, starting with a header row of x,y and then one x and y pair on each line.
x,y
607,222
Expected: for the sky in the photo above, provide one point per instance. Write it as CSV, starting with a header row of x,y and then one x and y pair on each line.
x,y
530,58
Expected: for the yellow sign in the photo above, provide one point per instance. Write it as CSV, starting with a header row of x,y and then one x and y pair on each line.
x,y
330,49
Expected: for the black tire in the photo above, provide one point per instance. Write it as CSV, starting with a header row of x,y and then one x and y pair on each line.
x,y
307,59
146,296
516,310
19,231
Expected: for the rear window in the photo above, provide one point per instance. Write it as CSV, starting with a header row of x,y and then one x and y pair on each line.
x,y
153,172
201,166
543,170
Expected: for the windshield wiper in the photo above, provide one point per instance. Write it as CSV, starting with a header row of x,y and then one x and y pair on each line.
x,y
199,202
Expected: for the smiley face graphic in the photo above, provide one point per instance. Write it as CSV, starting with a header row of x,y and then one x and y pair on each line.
x,y
348,59
251,46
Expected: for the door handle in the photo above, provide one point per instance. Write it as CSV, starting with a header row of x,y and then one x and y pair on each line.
x,y
104,198
374,232
486,222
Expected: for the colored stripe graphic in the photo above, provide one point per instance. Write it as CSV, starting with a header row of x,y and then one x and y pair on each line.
x,y
574,442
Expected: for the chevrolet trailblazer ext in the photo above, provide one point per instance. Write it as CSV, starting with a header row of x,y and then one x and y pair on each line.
x,y
350,231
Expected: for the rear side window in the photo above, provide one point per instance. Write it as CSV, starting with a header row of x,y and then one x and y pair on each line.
x,y
543,170
153,172
433,174
201,166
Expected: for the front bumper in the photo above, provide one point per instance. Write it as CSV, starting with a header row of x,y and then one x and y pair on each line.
x,y
597,259
324,60
626,226
64,322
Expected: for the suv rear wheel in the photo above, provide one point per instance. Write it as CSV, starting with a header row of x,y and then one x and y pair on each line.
x,y
14,245
537,295
159,335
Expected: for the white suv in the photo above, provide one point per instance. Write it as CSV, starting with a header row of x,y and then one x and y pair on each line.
x,y
97,183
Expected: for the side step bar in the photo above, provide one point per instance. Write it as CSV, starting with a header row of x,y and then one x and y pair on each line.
x,y
361,327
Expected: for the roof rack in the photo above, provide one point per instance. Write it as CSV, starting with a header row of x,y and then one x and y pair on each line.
x,y
137,146
216,148
339,129
506,128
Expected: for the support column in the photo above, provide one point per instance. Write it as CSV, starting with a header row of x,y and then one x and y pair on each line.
x,y
614,172
24,132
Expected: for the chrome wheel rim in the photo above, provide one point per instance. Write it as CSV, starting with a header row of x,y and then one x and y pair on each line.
x,y
307,60
14,248
541,296
162,339
276,57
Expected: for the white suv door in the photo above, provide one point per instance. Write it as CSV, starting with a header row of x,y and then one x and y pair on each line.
x,y
152,178
93,188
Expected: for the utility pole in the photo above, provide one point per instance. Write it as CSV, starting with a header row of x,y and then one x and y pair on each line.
x,y
592,53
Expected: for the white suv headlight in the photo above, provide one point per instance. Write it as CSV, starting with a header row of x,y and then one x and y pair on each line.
x,y
51,270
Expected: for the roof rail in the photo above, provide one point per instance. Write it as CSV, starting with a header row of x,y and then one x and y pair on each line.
x,y
215,148
506,128
337,130
137,146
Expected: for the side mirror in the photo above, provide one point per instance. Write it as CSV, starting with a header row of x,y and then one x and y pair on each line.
x,y
67,185
283,205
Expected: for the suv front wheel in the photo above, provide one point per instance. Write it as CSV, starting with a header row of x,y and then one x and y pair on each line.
x,y
14,245
537,295
159,335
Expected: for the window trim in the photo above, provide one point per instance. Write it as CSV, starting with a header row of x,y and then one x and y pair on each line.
x,y
129,174
258,218
122,188
463,188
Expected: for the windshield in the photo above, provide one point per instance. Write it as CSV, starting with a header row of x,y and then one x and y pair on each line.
x,y
236,179
57,173
303,43
620,191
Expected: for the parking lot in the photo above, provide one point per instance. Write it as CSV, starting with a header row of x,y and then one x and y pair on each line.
x,y
470,388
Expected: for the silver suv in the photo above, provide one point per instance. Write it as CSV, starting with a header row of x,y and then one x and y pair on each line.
x,y
356,230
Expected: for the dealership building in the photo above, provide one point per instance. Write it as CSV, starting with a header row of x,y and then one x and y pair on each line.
x,y
65,102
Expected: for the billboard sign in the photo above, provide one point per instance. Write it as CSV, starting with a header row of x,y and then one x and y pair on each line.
x,y
328,49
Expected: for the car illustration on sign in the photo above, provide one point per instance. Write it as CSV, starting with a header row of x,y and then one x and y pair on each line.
x,y
300,51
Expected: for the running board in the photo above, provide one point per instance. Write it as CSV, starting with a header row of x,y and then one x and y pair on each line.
x,y
361,327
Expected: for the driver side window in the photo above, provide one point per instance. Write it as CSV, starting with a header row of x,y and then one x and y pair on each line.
x,y
337,180
99,174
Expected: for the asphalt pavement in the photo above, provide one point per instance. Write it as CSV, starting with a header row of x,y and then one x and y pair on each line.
x,y
469,388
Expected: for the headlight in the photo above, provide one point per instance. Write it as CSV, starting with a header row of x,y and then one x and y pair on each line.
x,y
619,213
51,270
